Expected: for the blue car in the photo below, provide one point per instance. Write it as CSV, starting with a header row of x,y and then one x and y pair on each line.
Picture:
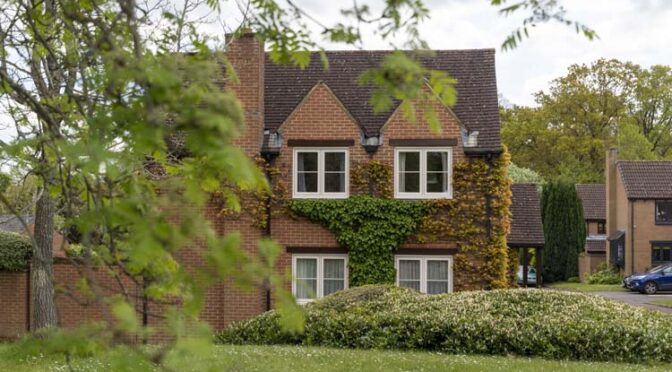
x,y
657,279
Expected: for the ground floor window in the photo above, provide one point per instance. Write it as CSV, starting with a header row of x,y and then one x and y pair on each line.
x,y
661,252
318,275
426,274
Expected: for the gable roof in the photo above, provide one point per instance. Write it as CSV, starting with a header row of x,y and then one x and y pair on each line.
x,y
526,228
646,179
477,105
593,197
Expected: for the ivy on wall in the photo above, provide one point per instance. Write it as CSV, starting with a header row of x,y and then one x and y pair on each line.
x,y
477,220
372,225
372,229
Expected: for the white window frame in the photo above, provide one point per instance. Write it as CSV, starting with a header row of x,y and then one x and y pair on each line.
x,y
423,194
320,273
423,268
320,194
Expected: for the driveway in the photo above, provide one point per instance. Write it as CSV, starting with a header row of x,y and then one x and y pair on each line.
x,y
638,299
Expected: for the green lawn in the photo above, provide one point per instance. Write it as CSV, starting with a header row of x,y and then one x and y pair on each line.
x,y
312,359
584,287
661,302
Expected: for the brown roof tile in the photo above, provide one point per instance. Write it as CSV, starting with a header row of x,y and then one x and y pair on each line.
x,y
526,227
646,179
477,106
594,199
596,246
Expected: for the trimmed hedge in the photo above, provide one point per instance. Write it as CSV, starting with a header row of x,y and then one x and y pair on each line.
x,y
15,250
551,324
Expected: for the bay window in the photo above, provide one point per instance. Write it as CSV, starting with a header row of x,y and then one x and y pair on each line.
x,y
423,173
318,275
319,173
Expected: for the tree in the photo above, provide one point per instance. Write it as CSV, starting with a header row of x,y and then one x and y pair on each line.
x,y
564,230
590,109
524,175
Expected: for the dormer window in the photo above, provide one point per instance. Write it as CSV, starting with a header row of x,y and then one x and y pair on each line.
x,y
423,173
320,173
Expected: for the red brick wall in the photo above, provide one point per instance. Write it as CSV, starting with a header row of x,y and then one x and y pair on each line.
x,y
12,304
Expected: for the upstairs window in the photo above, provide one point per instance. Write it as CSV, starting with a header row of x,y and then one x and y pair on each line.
x,y
663,212
423,173
320,173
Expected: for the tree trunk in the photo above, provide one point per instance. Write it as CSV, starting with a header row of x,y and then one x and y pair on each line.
x,y
42,271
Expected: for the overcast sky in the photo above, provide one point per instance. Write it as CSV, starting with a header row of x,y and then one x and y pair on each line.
x,y
639,31
631,30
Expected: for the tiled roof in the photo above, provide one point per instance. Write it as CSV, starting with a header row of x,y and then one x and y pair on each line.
x,y
596,245
646,179
593,197
9,222
477,106
526,227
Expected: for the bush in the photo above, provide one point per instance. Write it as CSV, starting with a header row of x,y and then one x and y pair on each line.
x,y
552,324
15,250
605,274
573,279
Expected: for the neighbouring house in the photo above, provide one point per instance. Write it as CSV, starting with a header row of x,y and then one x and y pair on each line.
x,y
317,128
527,230
639,213
593,198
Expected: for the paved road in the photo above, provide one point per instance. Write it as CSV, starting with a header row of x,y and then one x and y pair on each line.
x,y
638,299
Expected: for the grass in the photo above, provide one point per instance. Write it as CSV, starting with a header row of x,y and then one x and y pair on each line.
x,y
314,359
661,302
585,287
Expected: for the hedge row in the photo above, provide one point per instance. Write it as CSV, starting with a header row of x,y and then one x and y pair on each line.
x,y
542,323
15,250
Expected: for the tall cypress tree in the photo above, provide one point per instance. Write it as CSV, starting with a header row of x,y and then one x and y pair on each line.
x,y
564,230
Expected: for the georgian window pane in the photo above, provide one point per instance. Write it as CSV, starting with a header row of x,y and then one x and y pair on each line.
x,y
334,182
437,161
306,278
409,161
409,274
307,161
437,182
437,270
334,161
409,182
334,275
307,182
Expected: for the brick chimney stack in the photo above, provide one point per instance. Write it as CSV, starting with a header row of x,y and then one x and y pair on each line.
x,y
611,183
246,53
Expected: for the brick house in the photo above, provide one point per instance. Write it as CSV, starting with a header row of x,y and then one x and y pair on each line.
x,y
593,198
639,213
315,127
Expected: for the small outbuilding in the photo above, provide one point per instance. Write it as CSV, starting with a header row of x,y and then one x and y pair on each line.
x,y
527,231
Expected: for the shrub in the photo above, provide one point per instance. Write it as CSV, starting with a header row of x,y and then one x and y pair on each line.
x,y
573,279
543,323
605,274
15,250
